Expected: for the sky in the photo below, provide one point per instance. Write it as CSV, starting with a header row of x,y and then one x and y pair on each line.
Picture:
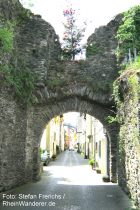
x,y
95,12
71,118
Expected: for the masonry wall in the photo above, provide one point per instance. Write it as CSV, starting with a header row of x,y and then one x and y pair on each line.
x,y
35,46
13,130
62,86
129,142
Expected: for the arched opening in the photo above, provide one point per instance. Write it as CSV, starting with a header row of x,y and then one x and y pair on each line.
x,y
41,115
79,132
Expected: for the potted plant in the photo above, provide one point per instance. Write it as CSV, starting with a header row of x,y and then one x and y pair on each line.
x,y
98,171
106,178
53,157
91,163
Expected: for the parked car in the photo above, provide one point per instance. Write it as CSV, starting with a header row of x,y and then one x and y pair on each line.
x,y
45,158
71,148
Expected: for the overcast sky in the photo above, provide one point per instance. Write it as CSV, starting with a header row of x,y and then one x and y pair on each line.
x,y
95,12
71,118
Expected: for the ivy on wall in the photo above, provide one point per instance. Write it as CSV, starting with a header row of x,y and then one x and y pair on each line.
x,y
128,36
126,91
6,37
22,80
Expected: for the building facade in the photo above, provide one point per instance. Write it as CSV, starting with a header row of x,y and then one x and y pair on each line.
x,y
93,142
53,136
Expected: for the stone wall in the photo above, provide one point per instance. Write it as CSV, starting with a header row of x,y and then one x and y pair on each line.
x,y
21,130
36,46
42,114
19,157
12,141
129,143
62,86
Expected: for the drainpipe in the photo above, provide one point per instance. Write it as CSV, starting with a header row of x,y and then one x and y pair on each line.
x,y
60,137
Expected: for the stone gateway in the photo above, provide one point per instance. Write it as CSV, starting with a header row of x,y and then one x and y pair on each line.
x,y
60,86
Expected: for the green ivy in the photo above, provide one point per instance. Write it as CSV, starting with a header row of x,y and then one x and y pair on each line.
x,y
112,119
128,34
129,74
6,37
22,80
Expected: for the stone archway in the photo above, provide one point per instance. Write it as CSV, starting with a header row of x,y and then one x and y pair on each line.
x,y
62,86
39,116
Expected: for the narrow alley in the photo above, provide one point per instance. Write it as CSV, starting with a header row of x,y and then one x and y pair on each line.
x,y
68,183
